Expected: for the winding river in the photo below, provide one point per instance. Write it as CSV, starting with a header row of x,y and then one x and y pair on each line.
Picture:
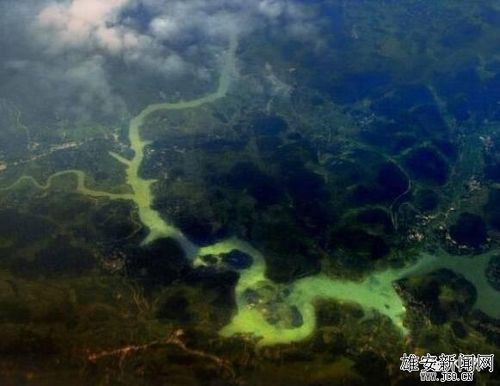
x,y
270,312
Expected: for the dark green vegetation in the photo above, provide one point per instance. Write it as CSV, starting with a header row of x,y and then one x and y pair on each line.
x,y
386,145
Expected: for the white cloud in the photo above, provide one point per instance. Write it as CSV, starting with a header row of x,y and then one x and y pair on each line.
x,y
83,22
96,23
271,8
75,44
164,27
